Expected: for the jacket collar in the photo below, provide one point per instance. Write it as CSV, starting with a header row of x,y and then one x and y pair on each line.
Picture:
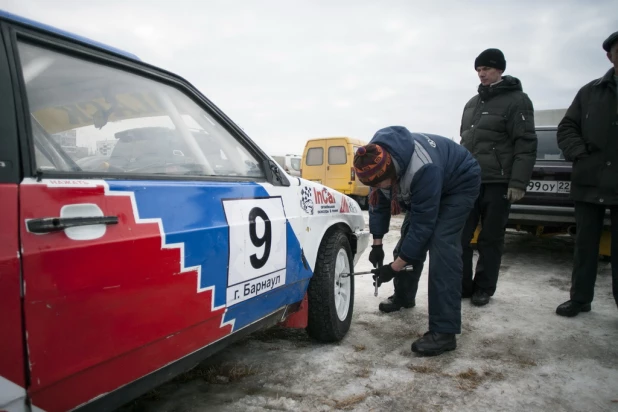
x,y
607,79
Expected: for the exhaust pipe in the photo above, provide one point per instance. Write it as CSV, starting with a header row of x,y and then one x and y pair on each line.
x,y
572,230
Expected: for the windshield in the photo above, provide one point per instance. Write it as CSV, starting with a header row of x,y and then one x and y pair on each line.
x,y
81,109
547,148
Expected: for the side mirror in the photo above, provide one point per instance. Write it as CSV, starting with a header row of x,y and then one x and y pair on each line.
x,y
272,174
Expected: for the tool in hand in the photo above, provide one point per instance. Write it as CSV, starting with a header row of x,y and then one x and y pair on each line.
x,y
409,268
375,291
345,275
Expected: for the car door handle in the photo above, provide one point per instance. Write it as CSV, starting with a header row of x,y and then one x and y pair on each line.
x,y
55,224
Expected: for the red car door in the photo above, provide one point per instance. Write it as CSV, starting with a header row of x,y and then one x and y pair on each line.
x,y
12,361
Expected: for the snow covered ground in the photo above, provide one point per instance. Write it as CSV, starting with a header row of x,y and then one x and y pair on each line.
x,y
513,354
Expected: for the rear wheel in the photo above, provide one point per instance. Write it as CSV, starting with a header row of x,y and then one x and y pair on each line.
x,y
331,296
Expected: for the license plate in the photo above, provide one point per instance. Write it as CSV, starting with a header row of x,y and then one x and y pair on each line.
x,y
549,186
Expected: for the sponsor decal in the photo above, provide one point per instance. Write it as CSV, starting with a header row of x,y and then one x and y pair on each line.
x,y
70,183
325,201
323,197
345,207
306,200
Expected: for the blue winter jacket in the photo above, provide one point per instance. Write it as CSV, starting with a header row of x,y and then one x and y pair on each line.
x,y
429,168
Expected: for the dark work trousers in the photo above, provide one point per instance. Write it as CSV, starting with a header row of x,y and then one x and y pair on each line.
x,y
445,263
492,209
589,220
406,284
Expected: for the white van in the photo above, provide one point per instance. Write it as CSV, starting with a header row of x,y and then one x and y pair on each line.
x,y
290,163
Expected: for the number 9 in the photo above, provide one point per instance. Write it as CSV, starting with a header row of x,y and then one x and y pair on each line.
x,y
265,240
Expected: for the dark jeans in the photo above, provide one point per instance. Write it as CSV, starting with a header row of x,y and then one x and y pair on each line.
x,y
445,263
492,209
589,220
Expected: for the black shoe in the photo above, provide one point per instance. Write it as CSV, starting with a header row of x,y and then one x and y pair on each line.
x,y
466,295
434,343
480,298
393,305
571,308
391,298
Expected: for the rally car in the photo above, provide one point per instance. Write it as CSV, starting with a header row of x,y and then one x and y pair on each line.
x,y
177,236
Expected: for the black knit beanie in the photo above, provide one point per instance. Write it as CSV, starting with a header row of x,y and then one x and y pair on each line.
x,y
491,58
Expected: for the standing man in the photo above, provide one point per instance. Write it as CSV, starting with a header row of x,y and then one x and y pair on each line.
x,y
588,136
436,181
497,127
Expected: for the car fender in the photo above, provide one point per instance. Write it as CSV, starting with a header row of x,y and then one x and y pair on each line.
x,y
323,209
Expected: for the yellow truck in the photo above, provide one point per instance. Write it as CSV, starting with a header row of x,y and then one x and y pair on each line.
x,y
329,161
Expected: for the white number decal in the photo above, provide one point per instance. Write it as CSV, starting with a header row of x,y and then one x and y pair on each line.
x,y
258,247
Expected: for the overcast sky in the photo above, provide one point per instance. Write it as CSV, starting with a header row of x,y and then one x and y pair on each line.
x,y
287,70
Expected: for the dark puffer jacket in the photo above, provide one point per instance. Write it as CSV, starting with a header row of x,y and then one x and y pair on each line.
x,y
588,136
497,127
430,167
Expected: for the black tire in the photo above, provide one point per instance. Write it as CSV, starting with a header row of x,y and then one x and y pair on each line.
x,y
324,323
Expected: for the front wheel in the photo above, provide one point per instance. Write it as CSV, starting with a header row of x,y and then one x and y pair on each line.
x,y
331,296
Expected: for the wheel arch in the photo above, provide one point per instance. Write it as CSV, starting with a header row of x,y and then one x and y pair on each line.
x,y
347,231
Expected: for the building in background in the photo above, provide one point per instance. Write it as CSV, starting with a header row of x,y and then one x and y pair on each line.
x,y
68,142
68,138
105,147
548,117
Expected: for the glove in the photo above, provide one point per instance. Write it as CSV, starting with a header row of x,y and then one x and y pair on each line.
x,y
376,256
513,195
383,274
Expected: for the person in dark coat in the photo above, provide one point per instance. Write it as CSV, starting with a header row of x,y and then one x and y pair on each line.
x,y
588,136
497,127
436,182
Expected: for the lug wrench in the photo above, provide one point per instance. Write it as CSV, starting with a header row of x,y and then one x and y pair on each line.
x,y
409,268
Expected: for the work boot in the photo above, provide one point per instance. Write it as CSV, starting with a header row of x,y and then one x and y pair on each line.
x,y
571,308
480,298
434,343
393,305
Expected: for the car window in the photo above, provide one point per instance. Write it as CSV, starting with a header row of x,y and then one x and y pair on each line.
x,y
121,122
547,147
315,156
337,155
295,163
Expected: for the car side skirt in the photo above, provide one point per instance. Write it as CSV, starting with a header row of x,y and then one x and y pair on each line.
x,y
139,387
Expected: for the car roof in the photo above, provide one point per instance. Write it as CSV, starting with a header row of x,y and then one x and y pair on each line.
x,y
4,15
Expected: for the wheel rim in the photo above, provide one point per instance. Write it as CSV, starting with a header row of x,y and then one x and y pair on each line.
x,y
343,285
